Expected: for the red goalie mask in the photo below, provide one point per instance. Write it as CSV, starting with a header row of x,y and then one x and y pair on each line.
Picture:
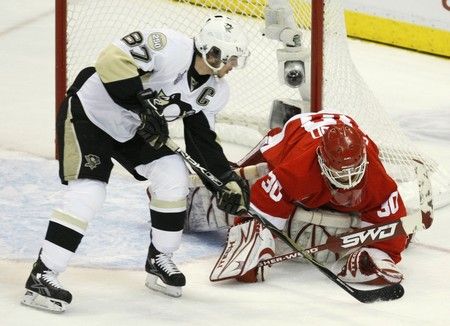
x,y
342,156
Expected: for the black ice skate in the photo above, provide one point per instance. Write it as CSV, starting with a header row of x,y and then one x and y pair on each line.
x,y
160,267
44,290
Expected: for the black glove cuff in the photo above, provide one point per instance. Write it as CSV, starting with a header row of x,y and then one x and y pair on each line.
x,y
233,176
229,176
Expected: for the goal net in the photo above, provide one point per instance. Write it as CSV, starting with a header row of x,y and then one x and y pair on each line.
x,y
85,27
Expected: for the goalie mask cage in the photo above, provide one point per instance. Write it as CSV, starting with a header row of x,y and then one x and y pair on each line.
x,y
84,27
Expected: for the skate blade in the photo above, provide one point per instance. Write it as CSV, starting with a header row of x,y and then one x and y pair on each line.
x,y
35,300
153,282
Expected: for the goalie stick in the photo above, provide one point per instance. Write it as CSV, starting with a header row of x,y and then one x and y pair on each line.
x,y
407,225
390,292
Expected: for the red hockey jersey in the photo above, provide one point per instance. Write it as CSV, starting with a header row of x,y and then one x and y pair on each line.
x,y
295,179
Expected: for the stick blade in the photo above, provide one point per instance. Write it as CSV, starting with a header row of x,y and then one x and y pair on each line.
x,y
387,293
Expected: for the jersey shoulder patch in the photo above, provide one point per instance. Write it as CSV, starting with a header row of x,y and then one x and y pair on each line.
x,y
156,41
172,51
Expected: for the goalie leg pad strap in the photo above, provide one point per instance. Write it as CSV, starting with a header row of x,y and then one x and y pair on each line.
x,y
247,244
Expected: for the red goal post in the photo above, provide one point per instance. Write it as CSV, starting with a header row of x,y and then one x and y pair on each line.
x,y
60,56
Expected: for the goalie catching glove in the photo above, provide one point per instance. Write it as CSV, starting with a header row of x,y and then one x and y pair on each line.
x,y
234,199
153,128
369,266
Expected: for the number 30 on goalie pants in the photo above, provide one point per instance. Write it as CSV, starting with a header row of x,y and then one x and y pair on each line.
x,y
247,245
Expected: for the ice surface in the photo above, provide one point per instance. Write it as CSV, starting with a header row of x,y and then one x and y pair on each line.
x,y
106,276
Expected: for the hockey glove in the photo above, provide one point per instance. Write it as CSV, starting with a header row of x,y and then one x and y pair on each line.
x,y
234,199
369,266
153,128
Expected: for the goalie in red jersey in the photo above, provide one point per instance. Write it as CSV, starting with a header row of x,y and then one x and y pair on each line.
x,y
319,161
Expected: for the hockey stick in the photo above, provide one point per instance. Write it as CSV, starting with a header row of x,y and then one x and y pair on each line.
x,y
407,225
208,176
390,292
249,172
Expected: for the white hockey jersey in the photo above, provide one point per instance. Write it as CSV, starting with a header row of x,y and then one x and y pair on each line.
x,y
161,59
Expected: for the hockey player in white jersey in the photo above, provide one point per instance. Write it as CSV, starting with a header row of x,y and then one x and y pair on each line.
x,y
119,109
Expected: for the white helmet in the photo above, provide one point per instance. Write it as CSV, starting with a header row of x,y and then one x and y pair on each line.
x,y
223,39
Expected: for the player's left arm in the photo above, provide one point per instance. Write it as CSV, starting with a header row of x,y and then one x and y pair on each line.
x,y
203,146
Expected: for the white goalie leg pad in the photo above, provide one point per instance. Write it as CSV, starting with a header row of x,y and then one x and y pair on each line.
x,y
368,266
247,245
202,213
35,300
310,228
